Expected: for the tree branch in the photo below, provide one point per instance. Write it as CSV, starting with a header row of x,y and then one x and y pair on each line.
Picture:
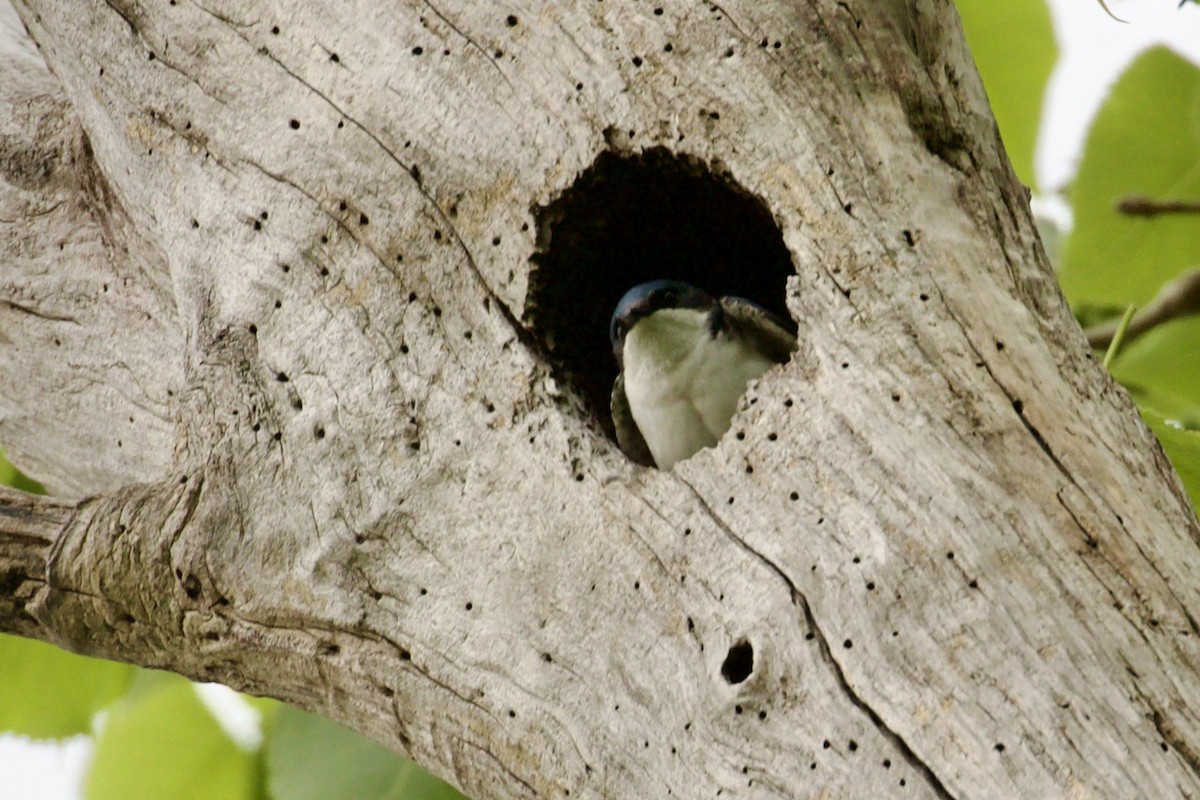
x,y
29,526
1179,298
1139,206
359,485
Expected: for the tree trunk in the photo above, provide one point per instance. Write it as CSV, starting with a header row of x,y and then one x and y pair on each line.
x,y
302,321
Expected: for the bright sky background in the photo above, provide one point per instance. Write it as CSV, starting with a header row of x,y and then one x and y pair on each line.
x,y
1094,49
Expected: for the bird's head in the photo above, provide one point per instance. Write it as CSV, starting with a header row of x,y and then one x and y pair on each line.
x,y
644,299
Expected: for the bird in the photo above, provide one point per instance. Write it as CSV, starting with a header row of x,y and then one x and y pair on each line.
x,y
684,359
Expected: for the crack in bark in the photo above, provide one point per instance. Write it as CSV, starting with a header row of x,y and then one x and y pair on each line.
x,y
133,27
1002,240
915,761
190,79
857,22
732,21
1014,401
1166,583
191,500
146,402
1094,543
227,20
1089,539
503,767
33,312
442,685
321,207
136,30
798,598
471,42
1032,429
42,212
661,565
1166,729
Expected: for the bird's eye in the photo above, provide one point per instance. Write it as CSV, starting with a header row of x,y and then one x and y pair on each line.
x,y
619,329
668,298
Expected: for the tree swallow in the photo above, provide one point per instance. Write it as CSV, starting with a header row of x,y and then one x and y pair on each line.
x,y
685,360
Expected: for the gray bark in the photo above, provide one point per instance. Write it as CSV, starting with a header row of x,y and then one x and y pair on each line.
x,y
268,333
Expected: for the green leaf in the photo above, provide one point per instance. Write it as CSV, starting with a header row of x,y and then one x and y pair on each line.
x,y
1162,370
311,758
46,692
266,707
1014,48
11,476
1145,141
163,743
1182,447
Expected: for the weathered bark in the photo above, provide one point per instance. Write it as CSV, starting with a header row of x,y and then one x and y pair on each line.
x,y
268,299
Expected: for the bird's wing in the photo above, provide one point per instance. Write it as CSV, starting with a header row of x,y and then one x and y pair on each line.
x,y
768,333
628,436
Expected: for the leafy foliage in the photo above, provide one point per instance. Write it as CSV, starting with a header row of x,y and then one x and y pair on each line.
x,y
1144,142
10,476
1162,371
162,742
50,693
1182,446
311,758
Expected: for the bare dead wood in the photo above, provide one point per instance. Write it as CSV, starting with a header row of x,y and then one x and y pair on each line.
x,y
952,556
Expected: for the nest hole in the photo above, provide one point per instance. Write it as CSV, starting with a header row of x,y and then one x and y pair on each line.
x,y
739,663
636,217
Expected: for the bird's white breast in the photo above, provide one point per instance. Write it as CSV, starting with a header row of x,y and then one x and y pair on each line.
x,y
682,383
